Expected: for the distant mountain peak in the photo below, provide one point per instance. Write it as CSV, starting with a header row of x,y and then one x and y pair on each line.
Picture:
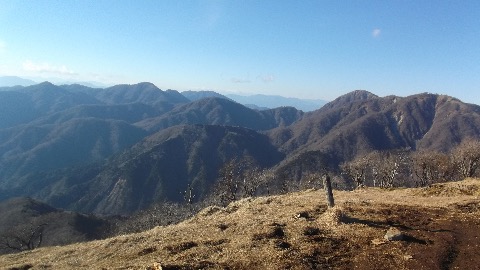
x,y
358,95
146,84
137,86
8,81
46,83
196,95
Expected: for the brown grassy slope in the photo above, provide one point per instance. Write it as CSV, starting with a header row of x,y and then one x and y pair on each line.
x,y
296,231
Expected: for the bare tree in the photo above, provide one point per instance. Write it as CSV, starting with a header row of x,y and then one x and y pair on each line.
x,y
23,237
430,167
356,169
188,195
466,157
254,179
228,185
241,178
312,180
386,166
160,214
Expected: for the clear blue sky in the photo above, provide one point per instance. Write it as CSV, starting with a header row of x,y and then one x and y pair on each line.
x,y
306,49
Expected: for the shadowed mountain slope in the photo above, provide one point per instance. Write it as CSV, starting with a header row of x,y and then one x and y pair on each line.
x,y
360,122
50,157
131,113
46,127
161,166
20,105
41,148
219,111
158,168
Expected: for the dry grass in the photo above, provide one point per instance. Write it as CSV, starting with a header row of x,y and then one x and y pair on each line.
x,y
295,231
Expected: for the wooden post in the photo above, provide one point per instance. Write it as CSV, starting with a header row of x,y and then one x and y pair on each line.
x,y
328,189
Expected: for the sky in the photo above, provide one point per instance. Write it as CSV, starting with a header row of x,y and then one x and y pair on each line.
x,y
305,49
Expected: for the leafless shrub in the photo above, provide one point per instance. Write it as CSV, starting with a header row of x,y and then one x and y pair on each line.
x,y
387,166
430,167
241,178
356,169
384,169
23,237
466,158
161,214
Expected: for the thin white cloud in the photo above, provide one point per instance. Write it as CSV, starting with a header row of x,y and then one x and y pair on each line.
x,y
47,68
240,80
211,15
376,32
266,78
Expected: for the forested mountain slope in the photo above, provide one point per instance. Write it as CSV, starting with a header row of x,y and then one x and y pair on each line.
x,y
122,148
360,122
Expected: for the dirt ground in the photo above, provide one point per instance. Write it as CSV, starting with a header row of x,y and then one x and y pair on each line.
x,y
440,226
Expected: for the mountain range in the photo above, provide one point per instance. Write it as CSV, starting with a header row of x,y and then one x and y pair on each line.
x,y
273,101
14,81
120,149
258,102
7,81
261,102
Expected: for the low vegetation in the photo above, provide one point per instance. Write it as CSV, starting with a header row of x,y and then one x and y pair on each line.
x,y
439,226
387,169
244,178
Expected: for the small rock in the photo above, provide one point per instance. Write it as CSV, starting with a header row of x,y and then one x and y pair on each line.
x,y
408,257
302,214
394,234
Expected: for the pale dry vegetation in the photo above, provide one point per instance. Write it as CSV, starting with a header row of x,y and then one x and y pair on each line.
x,y
296,231
407,168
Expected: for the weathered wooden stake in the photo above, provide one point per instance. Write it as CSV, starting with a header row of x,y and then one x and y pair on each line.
x,y
328,189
